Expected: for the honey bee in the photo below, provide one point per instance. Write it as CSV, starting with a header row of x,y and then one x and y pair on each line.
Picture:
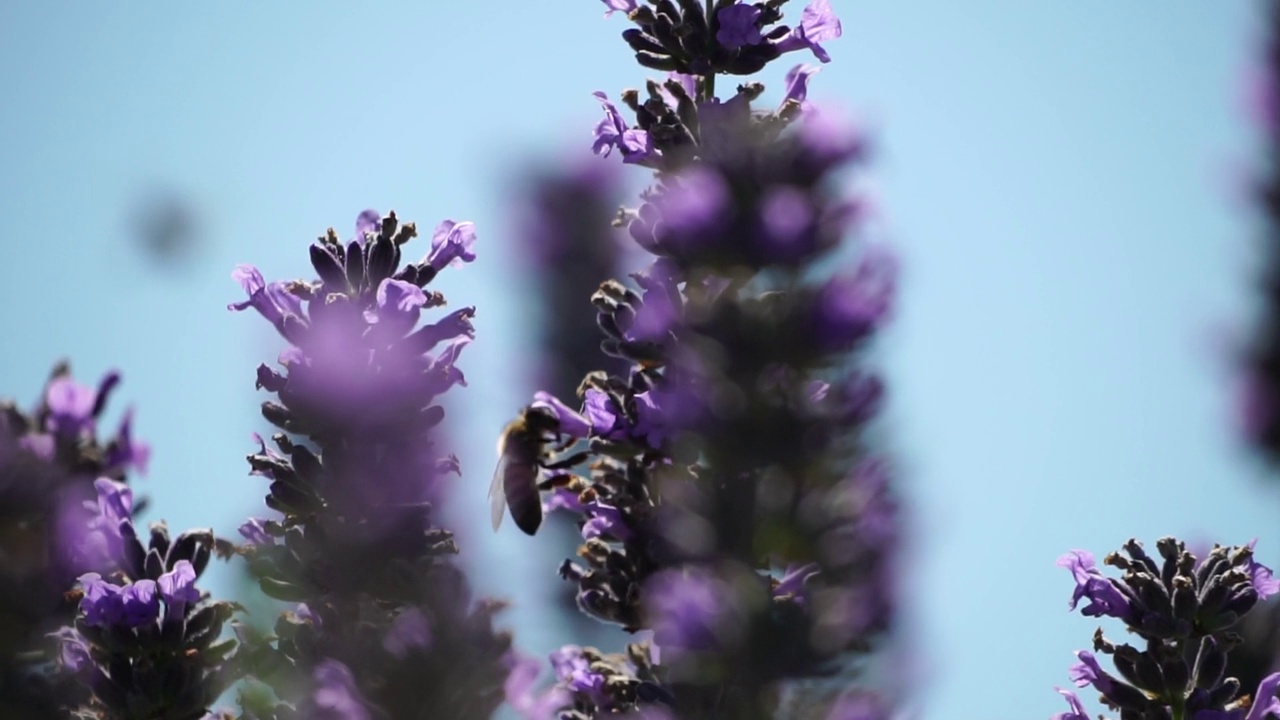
x,y
522,454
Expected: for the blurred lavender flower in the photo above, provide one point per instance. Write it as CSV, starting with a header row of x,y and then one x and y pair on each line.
x,y
725,493
62,500
387,624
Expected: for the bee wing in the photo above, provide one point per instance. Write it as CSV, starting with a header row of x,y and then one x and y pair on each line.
x,y
497,495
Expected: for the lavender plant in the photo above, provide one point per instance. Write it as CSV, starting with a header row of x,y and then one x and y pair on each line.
x,y
728,500
1184,613
52,464
385,625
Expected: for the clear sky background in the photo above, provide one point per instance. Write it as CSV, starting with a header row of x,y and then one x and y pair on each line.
x,y
1063,179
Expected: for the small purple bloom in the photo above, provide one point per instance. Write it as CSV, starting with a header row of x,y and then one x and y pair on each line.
x,y
454,325
336,696
521,694
1089,672
601,413
572,423
689,610
849,307
661,308
272,300
73,652
254,531
792,581
604,520
444,365
452,243
399,304
563,498
1104,597
797,85
651,420
574,671
623,6
101,603
304,613
787,214
178,587
139,603
70,406
408,632
738,26
368,221
691,209
818,24
1077,711
1260,574
612,132
127,452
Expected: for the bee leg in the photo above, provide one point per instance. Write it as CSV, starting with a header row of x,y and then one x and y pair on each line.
x,y
566,463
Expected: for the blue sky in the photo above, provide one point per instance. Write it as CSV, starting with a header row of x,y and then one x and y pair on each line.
x,y
1061,179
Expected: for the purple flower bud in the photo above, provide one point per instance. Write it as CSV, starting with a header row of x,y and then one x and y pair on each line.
x,y
368,221
850,307
563,498
408,632
738,26
336,696
818,24
661,308
692,208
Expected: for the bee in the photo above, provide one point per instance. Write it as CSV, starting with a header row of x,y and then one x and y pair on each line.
x,y
522,454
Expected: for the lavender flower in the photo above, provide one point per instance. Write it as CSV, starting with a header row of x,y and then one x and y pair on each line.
x,y
62,500
666,465
1184,609
389,625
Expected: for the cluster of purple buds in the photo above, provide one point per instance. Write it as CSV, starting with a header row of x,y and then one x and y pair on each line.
x,y
147,642
1185,613
726,497
54,527
727,36
386,623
